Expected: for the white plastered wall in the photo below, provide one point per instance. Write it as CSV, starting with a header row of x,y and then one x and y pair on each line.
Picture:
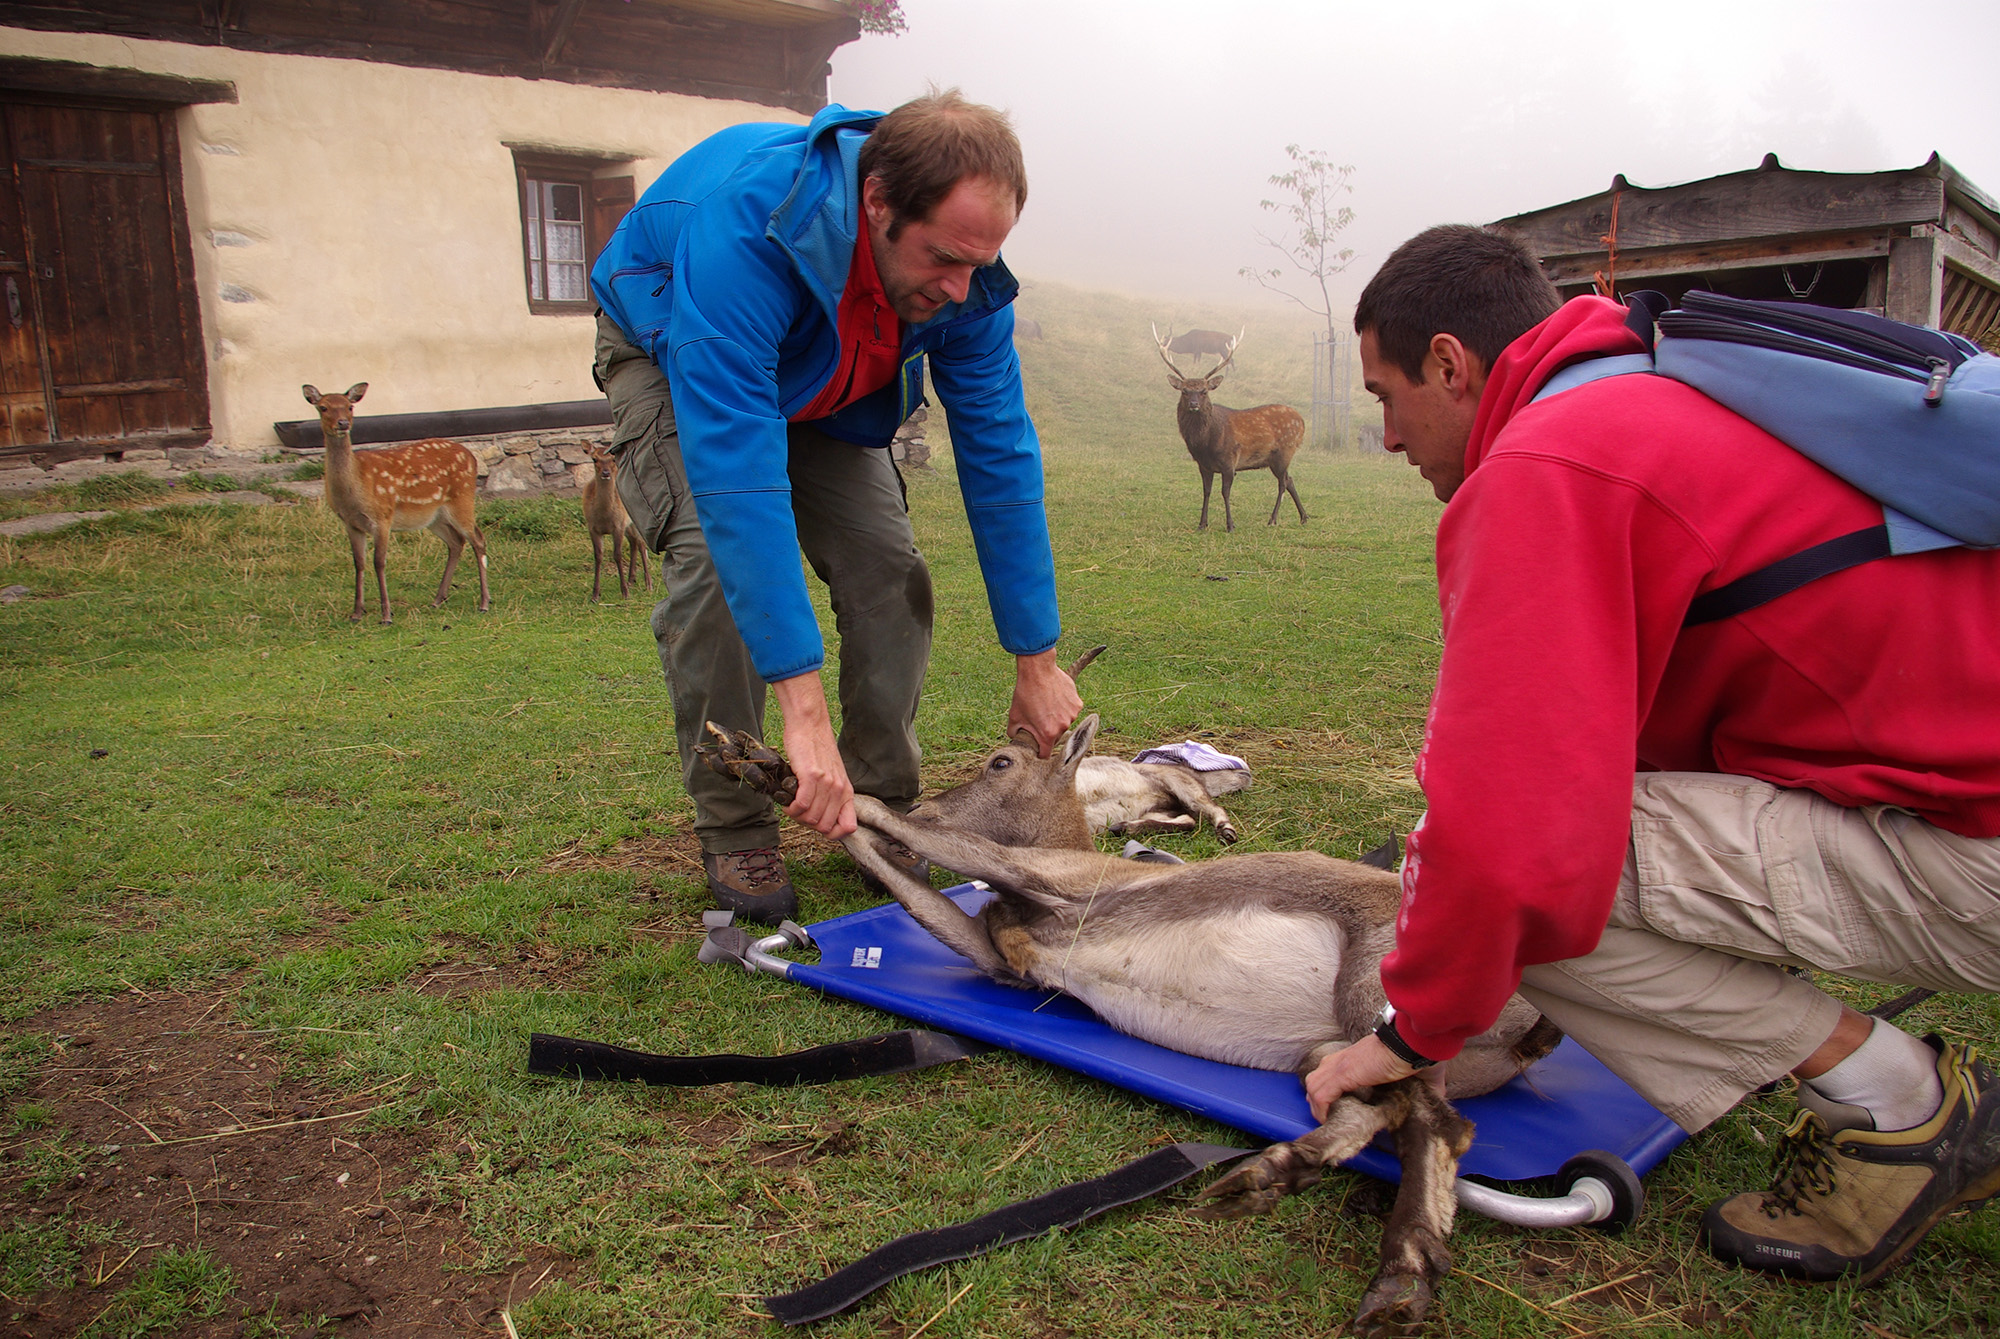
x,y
359,222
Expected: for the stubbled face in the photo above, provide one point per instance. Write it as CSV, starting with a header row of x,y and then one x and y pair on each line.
x,y
1421,419
931,261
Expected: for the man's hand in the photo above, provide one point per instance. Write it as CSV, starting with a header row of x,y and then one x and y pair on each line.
x,y
1045,700
826,797
1366,1063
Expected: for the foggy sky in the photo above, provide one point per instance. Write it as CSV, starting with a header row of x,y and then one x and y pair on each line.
x,y
1151,127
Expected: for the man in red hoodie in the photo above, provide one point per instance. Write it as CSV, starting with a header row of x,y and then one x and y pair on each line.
x,y
1641,825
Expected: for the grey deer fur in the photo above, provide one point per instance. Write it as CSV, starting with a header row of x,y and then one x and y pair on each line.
x,y
1270,960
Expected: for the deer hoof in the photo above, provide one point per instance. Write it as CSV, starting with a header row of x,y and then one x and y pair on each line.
x,y
1258,1185
1226,832
1393,1307
735,754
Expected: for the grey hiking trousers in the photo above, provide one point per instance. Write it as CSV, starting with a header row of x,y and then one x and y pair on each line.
x,y
854,528
1728,881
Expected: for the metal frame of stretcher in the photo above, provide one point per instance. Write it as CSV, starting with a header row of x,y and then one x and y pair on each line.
x,y
1568,1117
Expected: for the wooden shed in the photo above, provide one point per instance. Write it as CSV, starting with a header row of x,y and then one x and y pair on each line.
x,y
1920,244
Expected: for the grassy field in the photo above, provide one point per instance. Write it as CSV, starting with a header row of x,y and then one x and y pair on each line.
x,y
390,854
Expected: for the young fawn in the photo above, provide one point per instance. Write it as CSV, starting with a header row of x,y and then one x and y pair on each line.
x,y
429,484
605,515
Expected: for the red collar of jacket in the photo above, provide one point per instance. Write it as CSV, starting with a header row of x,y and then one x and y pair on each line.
x,y
870,335
1587,327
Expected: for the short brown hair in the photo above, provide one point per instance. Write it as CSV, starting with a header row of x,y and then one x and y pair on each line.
x,y
930,144
1477,284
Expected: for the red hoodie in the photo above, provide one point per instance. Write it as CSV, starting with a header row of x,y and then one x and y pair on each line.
x,y
1565,564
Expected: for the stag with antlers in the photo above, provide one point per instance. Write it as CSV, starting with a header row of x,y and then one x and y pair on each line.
x,y
1226,441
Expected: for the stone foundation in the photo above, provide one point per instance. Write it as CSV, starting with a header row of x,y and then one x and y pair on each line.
x,y
510,464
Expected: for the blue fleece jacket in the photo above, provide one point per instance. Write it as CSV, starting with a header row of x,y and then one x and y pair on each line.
x,y
728,273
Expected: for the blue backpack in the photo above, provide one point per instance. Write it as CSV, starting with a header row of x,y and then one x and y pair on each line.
x,y
1907,414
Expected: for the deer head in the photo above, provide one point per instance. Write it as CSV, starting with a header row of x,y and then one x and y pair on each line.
x,y
336,412
603,462
1194,390
1019,798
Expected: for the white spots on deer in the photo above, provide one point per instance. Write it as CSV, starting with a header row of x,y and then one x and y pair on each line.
x,y
426,485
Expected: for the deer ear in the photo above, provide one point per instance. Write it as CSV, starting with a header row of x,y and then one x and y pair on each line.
x,y
1025,737
312,394
357,390
1080,740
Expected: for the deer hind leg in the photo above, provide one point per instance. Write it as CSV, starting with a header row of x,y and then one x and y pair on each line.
x,y
1048,878
619,556
1289,485
454,545
479,556
1414,1259
639,559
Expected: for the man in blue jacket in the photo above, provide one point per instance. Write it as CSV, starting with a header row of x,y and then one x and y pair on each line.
x,y
768,309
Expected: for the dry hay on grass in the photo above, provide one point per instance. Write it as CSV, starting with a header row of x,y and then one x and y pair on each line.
x,y
170,1127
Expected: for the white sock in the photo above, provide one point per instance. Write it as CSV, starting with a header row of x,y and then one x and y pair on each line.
x,y
1892,1075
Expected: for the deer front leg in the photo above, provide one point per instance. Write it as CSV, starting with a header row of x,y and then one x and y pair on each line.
x,y
1228,481
1207,482
596,563
964,935
382,568
1048,877
359,543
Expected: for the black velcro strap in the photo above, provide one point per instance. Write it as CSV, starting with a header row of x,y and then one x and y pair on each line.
x,y
1136,1180
889,1053
1788,574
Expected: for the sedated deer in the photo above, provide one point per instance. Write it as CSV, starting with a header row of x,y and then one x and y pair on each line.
x,y
1269,960
1228,441
605,515
430,484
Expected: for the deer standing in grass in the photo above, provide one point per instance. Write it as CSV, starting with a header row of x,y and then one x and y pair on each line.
x,y
1226,441
431,484
1270,960
605,515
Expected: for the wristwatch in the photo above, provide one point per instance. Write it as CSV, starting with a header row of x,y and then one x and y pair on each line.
x,y
1385,1032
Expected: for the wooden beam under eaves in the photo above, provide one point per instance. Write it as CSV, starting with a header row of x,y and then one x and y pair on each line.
x,y
555,36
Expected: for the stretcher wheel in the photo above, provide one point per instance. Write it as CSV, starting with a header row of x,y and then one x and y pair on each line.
x,y
1628,1196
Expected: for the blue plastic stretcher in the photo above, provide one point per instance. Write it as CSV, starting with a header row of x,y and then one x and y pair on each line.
x,y
1567,1117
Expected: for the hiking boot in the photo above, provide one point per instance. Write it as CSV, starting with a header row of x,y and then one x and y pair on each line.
x,y
753,884
1848,1201
915,865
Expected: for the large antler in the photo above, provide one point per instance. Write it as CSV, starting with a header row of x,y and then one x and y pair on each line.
x,y
1228,354
1165,356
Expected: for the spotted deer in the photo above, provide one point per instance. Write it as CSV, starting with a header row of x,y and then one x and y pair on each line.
x,y
1270,960
1228,441
431,484
605,515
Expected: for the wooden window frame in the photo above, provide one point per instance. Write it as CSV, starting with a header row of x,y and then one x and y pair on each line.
x,y
569,172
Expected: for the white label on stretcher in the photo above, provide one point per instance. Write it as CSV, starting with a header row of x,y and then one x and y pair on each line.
x,y
870,958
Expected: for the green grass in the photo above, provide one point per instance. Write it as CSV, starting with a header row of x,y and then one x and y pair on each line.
x,y
174,1288
217,778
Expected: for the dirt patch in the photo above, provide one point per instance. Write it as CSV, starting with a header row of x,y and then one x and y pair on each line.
x,y
169,1127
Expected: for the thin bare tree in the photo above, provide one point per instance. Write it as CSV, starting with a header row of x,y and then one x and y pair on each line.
x,y
1312,207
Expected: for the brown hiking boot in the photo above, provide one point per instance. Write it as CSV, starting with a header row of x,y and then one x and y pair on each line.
x,y
1849,1202
753,884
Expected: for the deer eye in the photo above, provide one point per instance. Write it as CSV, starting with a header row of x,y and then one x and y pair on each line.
x,y
1001,762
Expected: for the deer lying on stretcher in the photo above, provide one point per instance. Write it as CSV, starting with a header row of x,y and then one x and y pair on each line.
x,y
1270,960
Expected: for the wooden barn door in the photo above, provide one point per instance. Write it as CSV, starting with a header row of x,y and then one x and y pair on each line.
x,y
100,336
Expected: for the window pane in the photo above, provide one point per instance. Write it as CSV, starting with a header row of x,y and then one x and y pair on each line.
x,y
565,202
567,284
565,241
